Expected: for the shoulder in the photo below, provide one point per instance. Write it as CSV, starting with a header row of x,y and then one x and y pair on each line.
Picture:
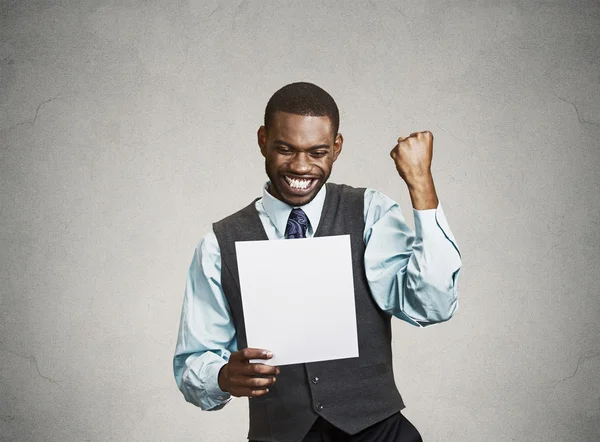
x,y
336,187
344,191
207,251
371,197
237,217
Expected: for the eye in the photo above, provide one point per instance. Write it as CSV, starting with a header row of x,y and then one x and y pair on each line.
x,y
284,150
319,153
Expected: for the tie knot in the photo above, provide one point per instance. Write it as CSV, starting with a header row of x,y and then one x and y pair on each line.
x,y
297,224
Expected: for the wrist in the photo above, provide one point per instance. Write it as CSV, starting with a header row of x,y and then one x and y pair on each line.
x,y
221,378
420,183
422,194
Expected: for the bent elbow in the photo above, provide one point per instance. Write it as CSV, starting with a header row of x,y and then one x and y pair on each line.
x,y
440,312
447,314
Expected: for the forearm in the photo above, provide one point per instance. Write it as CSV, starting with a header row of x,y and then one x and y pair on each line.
x,y
422,193
430,287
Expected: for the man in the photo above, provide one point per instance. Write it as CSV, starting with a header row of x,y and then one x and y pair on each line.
x,y
397,272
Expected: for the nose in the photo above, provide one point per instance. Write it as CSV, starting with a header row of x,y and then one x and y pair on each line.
x,y
300,164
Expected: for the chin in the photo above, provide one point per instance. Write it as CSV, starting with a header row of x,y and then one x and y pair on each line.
x,y
296,201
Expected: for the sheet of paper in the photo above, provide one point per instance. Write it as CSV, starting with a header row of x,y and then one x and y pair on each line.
x,y
298,298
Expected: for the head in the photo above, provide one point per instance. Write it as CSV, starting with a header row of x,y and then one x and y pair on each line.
x,y
300,141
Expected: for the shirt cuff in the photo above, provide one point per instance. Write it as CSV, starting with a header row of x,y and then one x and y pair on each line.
x,y
426,225
203,377
212,379
431,224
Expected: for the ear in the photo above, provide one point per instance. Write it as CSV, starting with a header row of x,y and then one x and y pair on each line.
x,y
337,146
261,136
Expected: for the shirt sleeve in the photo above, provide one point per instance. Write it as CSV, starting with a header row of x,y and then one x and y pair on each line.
x,y
206,336
412,275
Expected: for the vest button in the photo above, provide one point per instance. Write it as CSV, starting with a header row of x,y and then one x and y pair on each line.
x,y
320,407
315,380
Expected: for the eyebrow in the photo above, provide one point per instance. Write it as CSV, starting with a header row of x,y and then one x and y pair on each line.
x,y
291,146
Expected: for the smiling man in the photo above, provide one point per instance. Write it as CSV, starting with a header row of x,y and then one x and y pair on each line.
x,y
299,152
397,273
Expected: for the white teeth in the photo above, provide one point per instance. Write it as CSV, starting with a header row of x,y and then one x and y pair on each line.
x,y
298,184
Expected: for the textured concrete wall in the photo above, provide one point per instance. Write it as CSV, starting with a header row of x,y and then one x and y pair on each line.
x,y
126,128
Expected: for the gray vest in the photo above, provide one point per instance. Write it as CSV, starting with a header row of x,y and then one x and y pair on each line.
x,y
353,393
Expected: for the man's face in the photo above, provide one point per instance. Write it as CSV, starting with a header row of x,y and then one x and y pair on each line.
x,y
299,152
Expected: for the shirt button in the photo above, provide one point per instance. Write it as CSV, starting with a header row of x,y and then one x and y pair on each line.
x,y
320,407
315,380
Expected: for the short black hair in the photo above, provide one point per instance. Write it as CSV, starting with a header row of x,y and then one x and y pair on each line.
x,y
305,99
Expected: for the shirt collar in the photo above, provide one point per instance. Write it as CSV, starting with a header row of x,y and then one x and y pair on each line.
x,y
279,212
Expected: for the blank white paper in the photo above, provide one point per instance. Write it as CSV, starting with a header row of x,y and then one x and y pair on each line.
x,y
298,298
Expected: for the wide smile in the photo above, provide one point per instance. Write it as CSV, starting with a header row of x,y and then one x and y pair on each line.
x,y
299,186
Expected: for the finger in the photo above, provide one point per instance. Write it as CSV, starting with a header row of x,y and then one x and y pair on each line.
x,y
260,369
252,382
425,133
258,393
249,392
260,382
256,353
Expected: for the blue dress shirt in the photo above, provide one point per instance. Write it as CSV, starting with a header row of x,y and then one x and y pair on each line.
x,y
412,276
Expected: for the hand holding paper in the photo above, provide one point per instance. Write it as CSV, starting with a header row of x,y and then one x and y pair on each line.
x,y
239,377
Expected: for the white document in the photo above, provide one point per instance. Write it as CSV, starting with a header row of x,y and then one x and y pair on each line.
x,y
298,298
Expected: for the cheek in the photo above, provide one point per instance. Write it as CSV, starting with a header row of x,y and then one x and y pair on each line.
x,y
325,163
274,162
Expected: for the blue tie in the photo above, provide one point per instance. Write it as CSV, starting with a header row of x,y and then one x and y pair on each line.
x,y
297,224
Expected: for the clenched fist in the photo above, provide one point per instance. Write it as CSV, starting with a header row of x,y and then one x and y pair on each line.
x,y
413,155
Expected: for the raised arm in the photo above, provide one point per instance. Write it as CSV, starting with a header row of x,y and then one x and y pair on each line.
x,y
412,275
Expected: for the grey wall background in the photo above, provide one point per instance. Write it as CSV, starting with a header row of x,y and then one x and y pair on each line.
x,y
127,128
